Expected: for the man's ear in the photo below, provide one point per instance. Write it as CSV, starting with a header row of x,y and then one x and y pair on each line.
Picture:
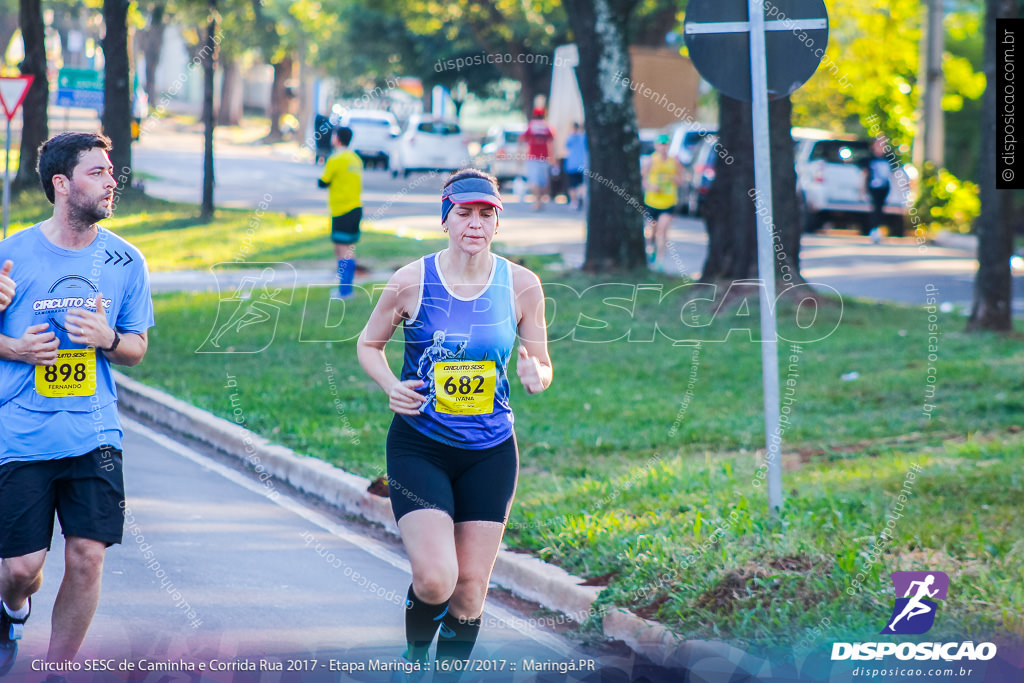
x,y
60,184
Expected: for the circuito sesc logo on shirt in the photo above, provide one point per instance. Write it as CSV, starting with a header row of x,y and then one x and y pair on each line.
x,y
70,291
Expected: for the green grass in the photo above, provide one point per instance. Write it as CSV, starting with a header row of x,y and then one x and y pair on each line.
x,y
640,461
172,237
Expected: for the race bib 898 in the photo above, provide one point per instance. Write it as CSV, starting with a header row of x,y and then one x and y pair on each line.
x,y
74,374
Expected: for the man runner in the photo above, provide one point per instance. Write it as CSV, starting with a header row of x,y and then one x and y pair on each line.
x,y
81,302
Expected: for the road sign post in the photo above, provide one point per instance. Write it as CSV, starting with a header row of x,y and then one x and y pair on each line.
x,y
713,29
12,94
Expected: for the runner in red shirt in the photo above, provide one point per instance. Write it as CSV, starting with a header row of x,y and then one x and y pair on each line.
x,y
539,140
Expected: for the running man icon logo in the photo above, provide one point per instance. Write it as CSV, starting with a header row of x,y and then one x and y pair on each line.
x,y
914,611
250,305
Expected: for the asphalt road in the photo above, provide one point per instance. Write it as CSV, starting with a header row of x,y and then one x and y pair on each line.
x,y
221,570
284,178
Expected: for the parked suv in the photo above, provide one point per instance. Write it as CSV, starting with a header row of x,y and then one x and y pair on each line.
x,y
698,173
500,155
429,144
830,182
373,135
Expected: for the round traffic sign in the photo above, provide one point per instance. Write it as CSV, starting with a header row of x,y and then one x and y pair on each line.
x,y
717,34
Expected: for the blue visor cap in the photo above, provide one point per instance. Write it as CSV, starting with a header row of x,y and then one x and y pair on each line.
x,y
467,191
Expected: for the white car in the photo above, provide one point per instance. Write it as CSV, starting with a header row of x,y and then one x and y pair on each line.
x,y
429,144
500,154
830,182
373,135
687,137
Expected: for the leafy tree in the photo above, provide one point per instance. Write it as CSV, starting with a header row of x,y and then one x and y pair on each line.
x,y
730,215
615,236
507,38
35,129
209,54
117,90
151,41
992,308
965,39
8,23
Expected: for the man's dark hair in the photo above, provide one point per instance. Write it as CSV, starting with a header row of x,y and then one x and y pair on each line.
x,y
344,135
60,154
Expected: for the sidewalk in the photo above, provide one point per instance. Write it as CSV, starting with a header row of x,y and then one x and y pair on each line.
x,y
524,575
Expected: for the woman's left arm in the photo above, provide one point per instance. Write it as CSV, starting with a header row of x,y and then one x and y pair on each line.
x,y
533,364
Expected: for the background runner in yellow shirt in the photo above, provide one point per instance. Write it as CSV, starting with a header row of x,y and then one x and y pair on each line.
x,y
343,178
662,176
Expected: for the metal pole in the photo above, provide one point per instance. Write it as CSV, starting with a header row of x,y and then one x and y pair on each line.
x,y
765,259
7,179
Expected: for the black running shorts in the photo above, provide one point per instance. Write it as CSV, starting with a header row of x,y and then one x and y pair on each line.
x,y
86,492
345,228
468,484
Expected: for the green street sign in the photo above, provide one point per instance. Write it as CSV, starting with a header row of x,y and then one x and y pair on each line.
x,y
80,79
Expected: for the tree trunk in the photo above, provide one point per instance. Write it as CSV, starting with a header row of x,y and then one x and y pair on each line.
x,y
152,46
992,308
279,97
34,129
615,231
117,97
209,66
730,210
229,113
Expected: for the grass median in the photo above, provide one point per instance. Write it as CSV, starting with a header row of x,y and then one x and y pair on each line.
x,y
642,464
172,237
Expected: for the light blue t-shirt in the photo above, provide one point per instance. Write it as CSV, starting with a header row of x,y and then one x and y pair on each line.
x,y
577,160
50,280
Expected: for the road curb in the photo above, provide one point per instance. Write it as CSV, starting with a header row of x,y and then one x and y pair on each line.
x,y
524,575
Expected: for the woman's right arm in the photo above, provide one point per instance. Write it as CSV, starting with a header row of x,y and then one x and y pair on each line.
x,y
393,306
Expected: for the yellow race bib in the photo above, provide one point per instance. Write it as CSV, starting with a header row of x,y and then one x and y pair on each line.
x,y
465,387
74,374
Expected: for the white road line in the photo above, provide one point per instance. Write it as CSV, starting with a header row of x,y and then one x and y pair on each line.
x,y
369,545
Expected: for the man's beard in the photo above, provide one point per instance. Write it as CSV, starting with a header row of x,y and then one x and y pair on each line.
x,y
83,213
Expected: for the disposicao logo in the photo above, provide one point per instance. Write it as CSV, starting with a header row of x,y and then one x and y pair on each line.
x,y
912,614
915,608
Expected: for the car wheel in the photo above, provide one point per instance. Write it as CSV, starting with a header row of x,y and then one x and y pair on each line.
x,y
896,226
813,220
864,225
394,173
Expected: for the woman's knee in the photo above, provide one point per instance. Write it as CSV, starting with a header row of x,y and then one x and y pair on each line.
x,y
469,595
435,584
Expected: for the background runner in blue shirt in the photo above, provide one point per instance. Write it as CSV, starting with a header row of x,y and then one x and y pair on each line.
x,y
74,298
451,452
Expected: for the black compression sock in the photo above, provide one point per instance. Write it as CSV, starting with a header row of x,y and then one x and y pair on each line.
x,y
421,623
458,636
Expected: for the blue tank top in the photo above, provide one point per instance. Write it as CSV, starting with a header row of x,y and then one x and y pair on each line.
x,y
460,348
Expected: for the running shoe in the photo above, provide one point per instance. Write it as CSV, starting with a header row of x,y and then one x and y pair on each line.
x,y
11,630
409,671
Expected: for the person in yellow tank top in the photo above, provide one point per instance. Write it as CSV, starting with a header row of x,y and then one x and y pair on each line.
x,y
662,176
343,180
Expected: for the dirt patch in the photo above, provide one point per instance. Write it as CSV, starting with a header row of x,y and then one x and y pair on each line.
x,y
379,487
602,580
740,586
651,611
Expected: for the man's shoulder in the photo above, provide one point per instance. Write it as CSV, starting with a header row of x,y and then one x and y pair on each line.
x,y
18,240
115,244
